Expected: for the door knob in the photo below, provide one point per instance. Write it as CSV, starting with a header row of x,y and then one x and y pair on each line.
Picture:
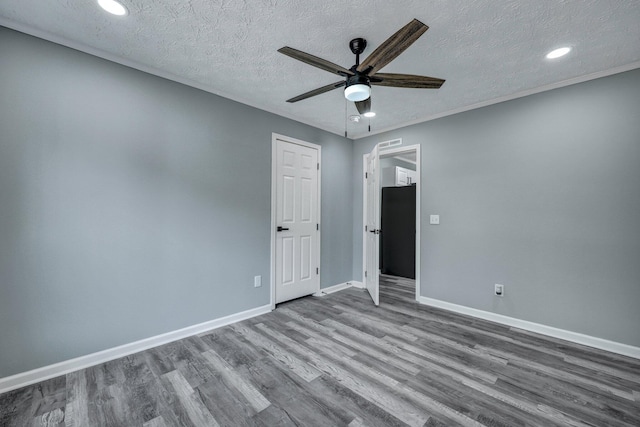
x,y
280,228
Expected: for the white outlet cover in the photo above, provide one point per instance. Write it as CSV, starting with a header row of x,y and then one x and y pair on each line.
x,y
434,219
257,281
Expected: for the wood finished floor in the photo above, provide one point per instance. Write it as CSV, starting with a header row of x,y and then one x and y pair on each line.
x,y
339,361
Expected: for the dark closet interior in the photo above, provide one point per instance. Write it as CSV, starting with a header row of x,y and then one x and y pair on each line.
x,y
398,237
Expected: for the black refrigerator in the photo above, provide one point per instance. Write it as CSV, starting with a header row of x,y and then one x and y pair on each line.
x,y
398,237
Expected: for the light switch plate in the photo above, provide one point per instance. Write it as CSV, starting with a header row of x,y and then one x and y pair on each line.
x,y
257,281
434,219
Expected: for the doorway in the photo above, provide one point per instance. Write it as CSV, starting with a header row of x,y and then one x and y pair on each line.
x,y
295,219
406,175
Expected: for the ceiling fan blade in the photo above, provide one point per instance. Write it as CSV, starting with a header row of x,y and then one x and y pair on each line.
x,y
392,47
323,64
318,91
364,106
406,80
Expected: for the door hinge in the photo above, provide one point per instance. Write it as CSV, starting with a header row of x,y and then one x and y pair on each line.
x,y
365,228
366,175
317,226
365,273
318,165
317,270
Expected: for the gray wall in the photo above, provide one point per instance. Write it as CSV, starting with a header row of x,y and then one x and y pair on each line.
x,y
541,194
131,206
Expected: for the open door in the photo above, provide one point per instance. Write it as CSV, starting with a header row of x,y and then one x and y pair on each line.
x,y
372,226
374,166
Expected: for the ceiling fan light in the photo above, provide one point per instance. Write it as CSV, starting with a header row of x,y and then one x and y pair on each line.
x,y
369,114
357,92
114,7
557,53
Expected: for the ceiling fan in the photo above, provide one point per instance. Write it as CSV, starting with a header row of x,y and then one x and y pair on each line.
x,y
360,77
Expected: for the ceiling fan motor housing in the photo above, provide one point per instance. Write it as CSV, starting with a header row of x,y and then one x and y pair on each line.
x,y
358,45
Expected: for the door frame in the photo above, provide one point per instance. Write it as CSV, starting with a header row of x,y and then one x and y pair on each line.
x,y
274,174
385,153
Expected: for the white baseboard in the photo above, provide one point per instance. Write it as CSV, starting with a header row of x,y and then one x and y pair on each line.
x,y
332,289
600,343
338,287
51,371
357,284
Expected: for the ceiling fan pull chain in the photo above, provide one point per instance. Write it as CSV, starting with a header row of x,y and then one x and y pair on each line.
x,y
345,117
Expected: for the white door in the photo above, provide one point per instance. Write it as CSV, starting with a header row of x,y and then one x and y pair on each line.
x,y
372,226
297,259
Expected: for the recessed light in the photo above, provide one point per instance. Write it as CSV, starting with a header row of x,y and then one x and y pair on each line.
x,y
557,53
114,7
369,114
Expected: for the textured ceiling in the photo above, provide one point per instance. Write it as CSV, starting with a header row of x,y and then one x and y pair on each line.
x,y
487,50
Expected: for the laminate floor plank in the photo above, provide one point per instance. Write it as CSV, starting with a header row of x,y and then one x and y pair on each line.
x,y
321,338
176,351
274,416
185,403
339,360
384,328
232,347
16,407
104,375
135,369
336,395
77,409
307,321
291,395
107,408
475,404
158,363
364,386
383,366
614,360
384,351
234,380
156,422
317,309
572,402
280,353
226,406
146,399
196,370
454,349
600,368
564,375
49,396
54,418
374,373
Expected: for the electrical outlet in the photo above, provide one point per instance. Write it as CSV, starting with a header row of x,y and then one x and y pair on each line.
x,y
257,281
434,219
499,290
